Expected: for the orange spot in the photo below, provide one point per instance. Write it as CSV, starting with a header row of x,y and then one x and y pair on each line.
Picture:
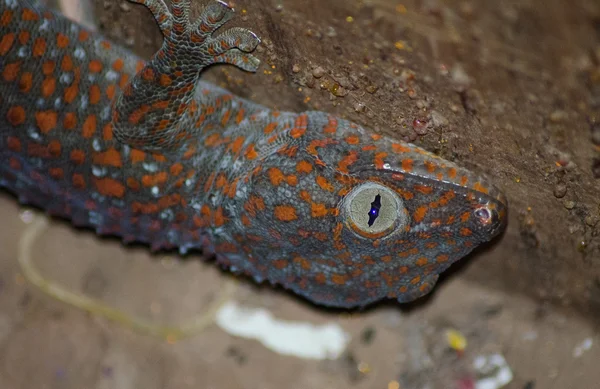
x,y
54,148
465,216
56,173
83,35
353,140
6,43
430,166
133,184
415,280
11,71
159,178
29,15
280,264
48,68
24,37
95,66
466,232
25,82
270,127
324,184
15,115
13,143
14,163
407,165
347,161
67,63
464,180
423,189
420,213
89,126
46,120
276,176
109,187
110,157
303,167
422,261
318,210
480,188
48,86
111,91
285,213
78,156
6,18
379,159
62,41
452,173
442,258
78,181
95,94
118,65
218,217
176,169
237,144
251,153
165,80
339,279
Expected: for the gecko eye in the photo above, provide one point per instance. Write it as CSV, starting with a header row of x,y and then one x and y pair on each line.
x,y
373,210
484,214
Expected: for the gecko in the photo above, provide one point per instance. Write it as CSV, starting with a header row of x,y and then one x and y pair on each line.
x,y
149,152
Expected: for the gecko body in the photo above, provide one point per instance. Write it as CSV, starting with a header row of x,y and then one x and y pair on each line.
x,y
149,152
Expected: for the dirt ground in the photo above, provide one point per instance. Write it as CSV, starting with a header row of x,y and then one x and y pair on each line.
x,y
510,88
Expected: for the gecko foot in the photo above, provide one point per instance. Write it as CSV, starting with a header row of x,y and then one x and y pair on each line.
x,y
184,37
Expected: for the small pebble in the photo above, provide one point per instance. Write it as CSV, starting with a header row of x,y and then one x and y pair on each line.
x,y
318,72
558,116
372,89
296,68
560,190
437,119
420,126
569,204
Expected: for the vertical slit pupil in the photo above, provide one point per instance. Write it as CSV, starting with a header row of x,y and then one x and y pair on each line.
x,y
374,211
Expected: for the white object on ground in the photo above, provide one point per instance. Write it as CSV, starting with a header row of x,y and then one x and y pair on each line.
x,y
495,371
299,339
582,347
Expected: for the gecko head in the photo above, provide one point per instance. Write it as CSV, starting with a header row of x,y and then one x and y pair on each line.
x,y
353,218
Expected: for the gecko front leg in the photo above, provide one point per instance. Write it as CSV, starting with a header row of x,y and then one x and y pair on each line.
x,y
156,110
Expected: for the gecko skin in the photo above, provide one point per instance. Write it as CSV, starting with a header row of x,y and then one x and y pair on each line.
x,y
148,152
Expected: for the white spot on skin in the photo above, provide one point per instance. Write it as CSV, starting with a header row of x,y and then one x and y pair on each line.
x,y
45,26
84,102
111,76
66,78
80,54
98,171
155,191
299,339
58,103
150,167
23,52
96,145
105,113
33,134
